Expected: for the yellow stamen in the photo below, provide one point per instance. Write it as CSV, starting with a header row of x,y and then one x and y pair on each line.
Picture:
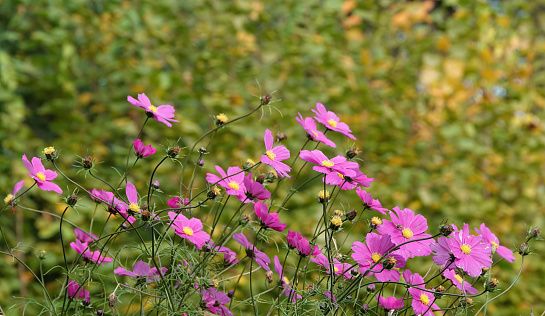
x,y
222,118
233,185
270,154
336,269
407,233
424,299
376,221
134,207
49,150
458,278
315,134
286,280
188,231
495,245
40,176
340,175
332,122
152,108
466,249
392,260
8,198
327,163
376,256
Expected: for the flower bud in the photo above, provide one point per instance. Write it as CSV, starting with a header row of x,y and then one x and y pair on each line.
x,y
244,219
112,300
50,153
266,99
446,230
323,196
248,164
351,215
145,215
336,222
351,153
272,175
231,293
87,163
389,263
221,119
354,272
492,285
173,152
213,193
202,150
260,178
535,232
524,249
371,288
269,276
42,254
200,162
100,312
87,300
466,301
72,200
365,309
155,185
280,137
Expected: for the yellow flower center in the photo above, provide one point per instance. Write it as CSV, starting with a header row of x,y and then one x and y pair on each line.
x,y
315,134
134,207
424,299
336,269
216,190
188,231
332,122
40,176
323,194
495,245
152,108
376,256
327,163
376,221
8,198
222,118
270,154
286,280
340,175
250,162
336,221
233,185
466,249
49,150
458,278
407,233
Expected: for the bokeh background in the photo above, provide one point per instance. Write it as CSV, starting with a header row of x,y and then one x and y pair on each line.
x,y
446,98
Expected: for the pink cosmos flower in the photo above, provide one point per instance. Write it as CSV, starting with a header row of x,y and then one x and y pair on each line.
x,y
389,303
77,292
163,113
178,203
41,175
215,301
459,282
471,255
190,229
11,197
442,253
292,239
375,250
339,268
302,245
274,155
260,257
331,121
489,237
348,183
405,226
142,270
268,220
96,195
309,125
88,255
132,197
326,165
423,302
253,190
229,256
84,237
368,201
232,181
284,282
142,151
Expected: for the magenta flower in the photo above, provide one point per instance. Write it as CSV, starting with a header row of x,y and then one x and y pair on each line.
x,y
88,255
348,183
142,270
284,282
41,175
274,155
423,302
471,254
309,125
260,257
331,121
229,256
163,113
375,250
232,181
84,237
292,238
96,195
326,165
132,197
268,220
215,301
442,253
369,203
142,151
76,292
178,203
459,282
253,190
406,226
302,245
11,197
339,268
489,237
190,229
389,303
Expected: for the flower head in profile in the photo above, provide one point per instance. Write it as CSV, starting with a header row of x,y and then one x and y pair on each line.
x,y
268,220
389,303
42,176
141,270
229,256
459,282
470,253
11,197
141,150
190,229
232,181
178,203
339,268
304,248
326,165
284,282
75,291
331,121
347,182
489,237
368,201
83,249
253,190
309,125
274,155
163,113
260,257
132,197
215,301
84,237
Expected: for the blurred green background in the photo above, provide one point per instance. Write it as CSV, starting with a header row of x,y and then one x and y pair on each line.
x,y
446,99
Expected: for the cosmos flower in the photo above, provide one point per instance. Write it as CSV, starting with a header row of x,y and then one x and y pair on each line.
x,y
297,241
251,251
142,151
83,250
459,282
339,268
348,183
489,237
405,226
190,229
215,301
11,197
163,113
309,125
470,253
274,155
232,181
84,237
442,253
132,197
141,270
326,165
253,190
284,282
423,302
389,303
178,203
268,220
42,176
331,121
368,201
76,292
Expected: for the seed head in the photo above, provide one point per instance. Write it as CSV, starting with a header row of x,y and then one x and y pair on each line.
x,y
323,196
336,222
446,230
173,152
535,232
214,192
524,249
266,99
87,163
72,200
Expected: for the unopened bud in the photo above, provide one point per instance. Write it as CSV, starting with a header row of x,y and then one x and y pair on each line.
x,y
145,215
100,312
173,152
87,162
535,232
214,192
351,215
221,119
202,150
72,200
231,293
260,178
351,153
87,300
50,153
269,276
155,185
200,162
524,249
371,288
42,254
266,99
446,230
281,136
323,196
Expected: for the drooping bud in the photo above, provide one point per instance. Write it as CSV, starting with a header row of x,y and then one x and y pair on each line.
x,y
221,119
155,185
87,163
213,193
351,153
50,153
269,276
323,197
280,137
72,200
112,300
173,152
